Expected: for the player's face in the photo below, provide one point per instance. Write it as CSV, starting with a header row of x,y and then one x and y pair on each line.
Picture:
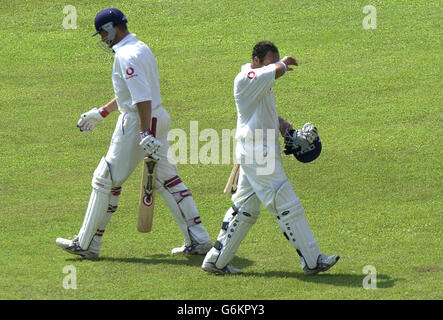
x,y
104,35
270,57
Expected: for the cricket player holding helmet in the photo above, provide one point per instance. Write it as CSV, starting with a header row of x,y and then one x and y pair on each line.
x,y
137,97
256,111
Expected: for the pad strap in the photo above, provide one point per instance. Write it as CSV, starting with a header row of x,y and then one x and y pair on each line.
x,y
172,182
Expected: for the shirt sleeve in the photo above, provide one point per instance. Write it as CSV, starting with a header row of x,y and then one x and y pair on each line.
x,y
256,82
135,80
264,77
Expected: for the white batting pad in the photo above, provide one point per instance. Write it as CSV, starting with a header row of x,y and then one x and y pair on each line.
x,y
235,226
179,200
230,241
292,221
98,203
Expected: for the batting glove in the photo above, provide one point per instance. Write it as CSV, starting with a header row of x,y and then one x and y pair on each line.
x,y
150,144
310,132
297,140
89,120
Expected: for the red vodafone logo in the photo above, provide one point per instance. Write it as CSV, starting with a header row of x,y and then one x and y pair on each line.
x,y
130,71
251,75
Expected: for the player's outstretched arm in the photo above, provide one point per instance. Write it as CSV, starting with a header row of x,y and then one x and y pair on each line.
x,y
284,65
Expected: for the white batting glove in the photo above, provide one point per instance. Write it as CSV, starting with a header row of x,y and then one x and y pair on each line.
x,y
89,120
296,140
310,132
150,144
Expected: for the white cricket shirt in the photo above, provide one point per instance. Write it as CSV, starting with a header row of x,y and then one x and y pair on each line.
x,y
135,74
255,102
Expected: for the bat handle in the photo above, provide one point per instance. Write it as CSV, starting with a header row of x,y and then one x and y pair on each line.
x,y
153,130
154,126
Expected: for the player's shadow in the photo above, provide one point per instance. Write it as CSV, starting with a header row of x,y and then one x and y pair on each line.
x,y
341,280
158,259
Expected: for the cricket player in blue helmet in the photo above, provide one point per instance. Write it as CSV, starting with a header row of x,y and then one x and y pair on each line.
x,y
137,97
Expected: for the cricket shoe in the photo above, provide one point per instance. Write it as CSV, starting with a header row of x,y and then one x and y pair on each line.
x,y
324,263
73,247
194,248
211,268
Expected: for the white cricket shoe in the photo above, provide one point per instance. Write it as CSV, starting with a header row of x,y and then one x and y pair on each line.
x,y
194,248
211,268
324,263
73,247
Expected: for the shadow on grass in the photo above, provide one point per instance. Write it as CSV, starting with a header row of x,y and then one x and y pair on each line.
x,y
341,280
156,259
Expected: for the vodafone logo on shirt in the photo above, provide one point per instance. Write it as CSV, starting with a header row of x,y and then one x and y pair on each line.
x,y
130,73
251,75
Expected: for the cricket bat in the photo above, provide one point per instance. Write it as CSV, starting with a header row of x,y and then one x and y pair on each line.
x,y
146,204
231,185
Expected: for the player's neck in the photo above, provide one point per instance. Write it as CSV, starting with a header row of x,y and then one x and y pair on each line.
x,y
255,65
120,36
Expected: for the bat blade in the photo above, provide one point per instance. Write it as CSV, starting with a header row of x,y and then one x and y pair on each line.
x,y
146,203
147,197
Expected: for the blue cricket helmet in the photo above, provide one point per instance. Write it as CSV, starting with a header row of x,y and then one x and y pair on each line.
x,y
109,15
310,155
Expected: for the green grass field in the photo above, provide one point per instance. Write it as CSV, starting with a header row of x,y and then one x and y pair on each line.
x,y
374,196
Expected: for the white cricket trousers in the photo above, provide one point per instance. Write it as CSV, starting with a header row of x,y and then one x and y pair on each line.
x,y
259,181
